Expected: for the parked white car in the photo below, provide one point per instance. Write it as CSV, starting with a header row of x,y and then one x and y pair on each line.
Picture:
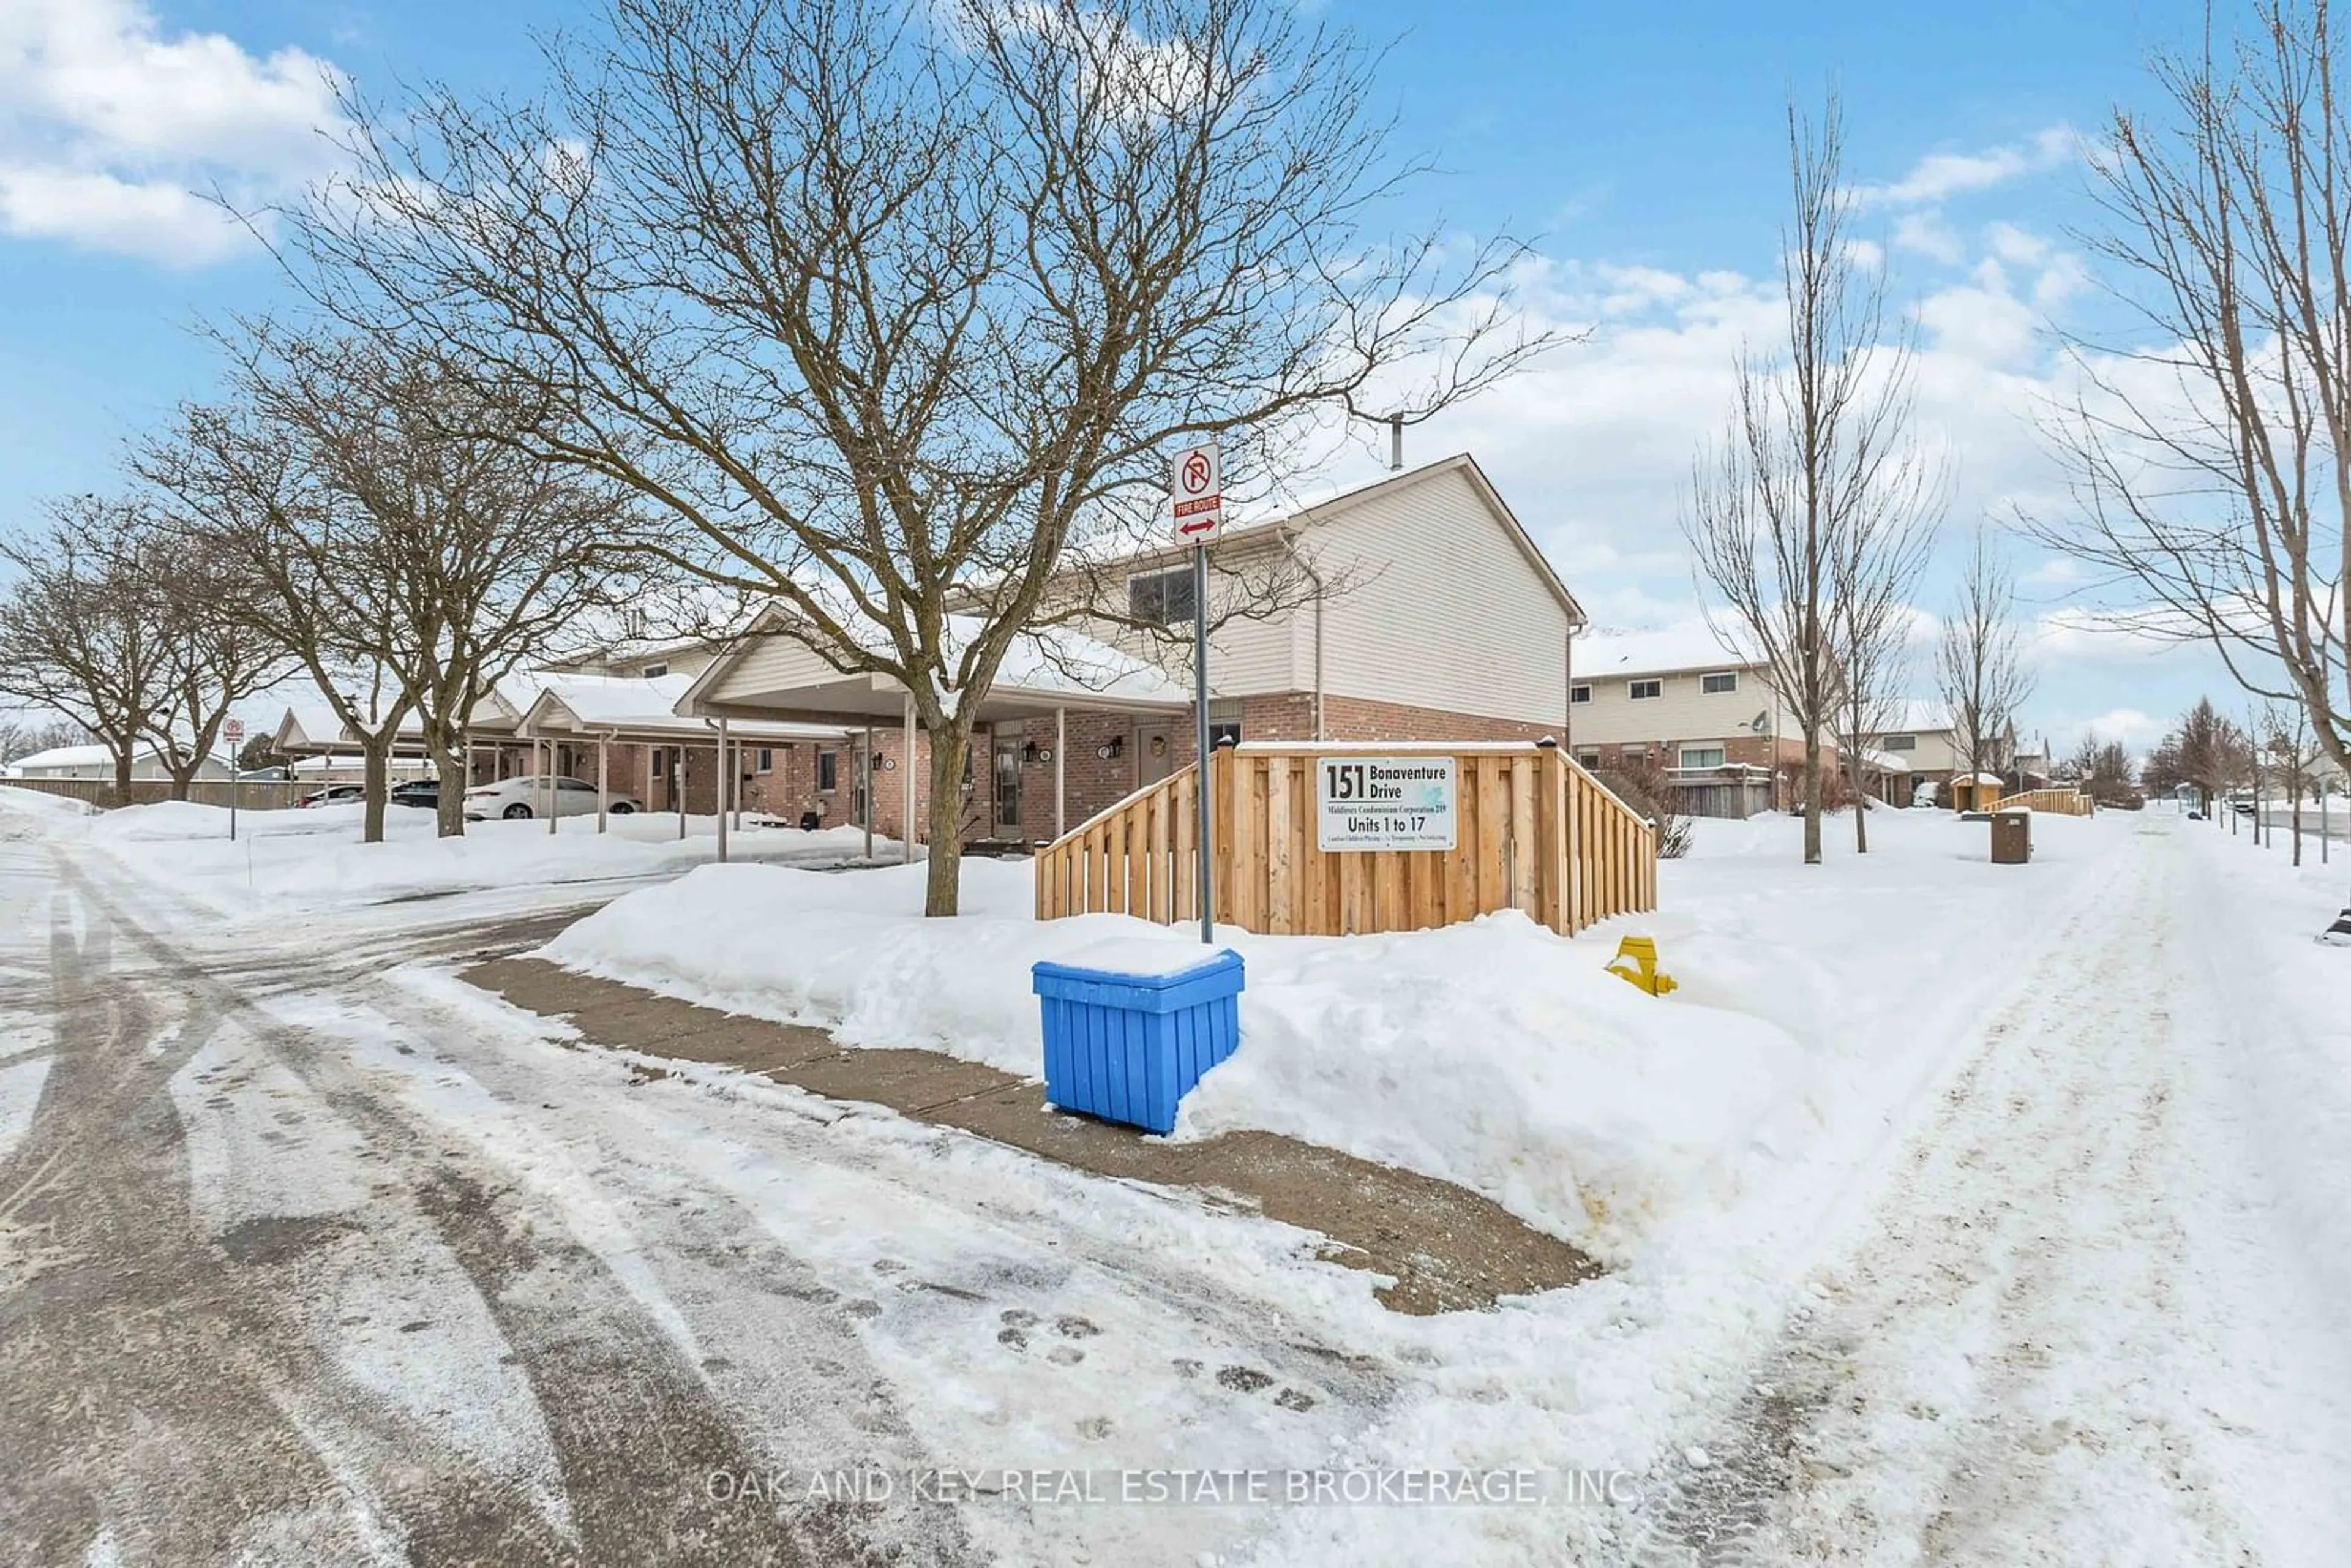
x,y
533,795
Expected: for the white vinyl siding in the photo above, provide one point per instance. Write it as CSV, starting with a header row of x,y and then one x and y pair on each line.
x,y
1445,611
1682,708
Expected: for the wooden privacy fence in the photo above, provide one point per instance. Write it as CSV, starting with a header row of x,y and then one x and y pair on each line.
x,y
1533,831
254,795
2057,802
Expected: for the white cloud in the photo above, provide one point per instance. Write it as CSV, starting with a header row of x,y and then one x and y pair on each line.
x,y
1929,235
108,125
1938,176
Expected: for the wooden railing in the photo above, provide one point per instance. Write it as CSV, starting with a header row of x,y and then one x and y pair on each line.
x,y
2057,802
1533,831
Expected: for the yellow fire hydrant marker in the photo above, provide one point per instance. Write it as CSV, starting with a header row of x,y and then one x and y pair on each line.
x,y
1636,963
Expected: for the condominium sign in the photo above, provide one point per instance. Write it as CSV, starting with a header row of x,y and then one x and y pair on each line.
x,y
1385,803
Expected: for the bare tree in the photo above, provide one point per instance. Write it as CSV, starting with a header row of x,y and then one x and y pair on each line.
x,y
889,305
2209,479
1982,671
413,547
1817,486
23,736
79,631
2292,755
1880,550
217,653
2208,750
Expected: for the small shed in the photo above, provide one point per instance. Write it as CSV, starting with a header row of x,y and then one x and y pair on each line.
x,y
1975,792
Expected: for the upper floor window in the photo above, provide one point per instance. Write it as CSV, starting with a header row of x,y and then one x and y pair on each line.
x,y
652,672
1901,743
1161,598
1727,681
1641,689
1579,694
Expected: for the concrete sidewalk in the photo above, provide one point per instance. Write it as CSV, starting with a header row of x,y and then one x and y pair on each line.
x,y
1446,1248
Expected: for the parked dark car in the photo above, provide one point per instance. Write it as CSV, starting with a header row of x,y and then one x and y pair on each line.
x,y
424,792
332,795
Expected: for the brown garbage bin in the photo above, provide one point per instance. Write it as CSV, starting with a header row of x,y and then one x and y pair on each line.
x,y
2012,838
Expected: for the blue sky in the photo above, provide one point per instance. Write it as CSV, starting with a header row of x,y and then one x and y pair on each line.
x,y
1641,143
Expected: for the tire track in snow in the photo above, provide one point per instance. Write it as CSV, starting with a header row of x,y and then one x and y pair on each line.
x,y
1984,1380
636,1429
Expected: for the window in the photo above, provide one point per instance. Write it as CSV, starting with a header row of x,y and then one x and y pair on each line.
x,y
1727,681
766,759
575,786
1579,694
1901,743
1641,691
1220,733
1589,759
1702,757
1007,782
1161,599
661,760
828,771
654,672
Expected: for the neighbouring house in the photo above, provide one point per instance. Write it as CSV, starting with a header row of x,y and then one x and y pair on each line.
x,y
1450,625
1924,735
95,761
1690,701
308,730
624,730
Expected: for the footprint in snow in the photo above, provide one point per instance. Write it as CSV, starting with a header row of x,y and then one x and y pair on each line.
x,y
1074,1328
1243,1379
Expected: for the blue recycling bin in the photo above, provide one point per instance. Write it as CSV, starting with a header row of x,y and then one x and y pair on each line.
x,y
1127,1046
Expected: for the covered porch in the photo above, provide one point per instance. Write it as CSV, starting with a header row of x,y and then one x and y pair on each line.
x,y
1069,727
624,734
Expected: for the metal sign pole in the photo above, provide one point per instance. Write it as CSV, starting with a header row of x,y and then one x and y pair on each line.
x,y
1201,733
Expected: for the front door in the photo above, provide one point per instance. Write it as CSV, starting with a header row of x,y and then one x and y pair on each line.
x,y
1007,785
1155,747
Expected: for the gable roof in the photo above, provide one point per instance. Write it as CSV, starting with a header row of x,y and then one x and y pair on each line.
x,y
1041,667
1326,510
644,705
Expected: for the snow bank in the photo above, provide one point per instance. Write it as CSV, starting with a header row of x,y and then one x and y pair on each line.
x,y
1494,1054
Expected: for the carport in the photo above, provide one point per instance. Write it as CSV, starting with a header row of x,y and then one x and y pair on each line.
x,y
771,676
573,712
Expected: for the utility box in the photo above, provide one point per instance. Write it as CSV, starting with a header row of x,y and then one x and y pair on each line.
x,y
1131,1027
2012,838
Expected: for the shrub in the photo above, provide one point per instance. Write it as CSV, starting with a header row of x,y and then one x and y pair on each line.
x,y
1643,784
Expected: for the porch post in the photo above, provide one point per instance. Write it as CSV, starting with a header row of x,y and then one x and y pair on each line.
x,y
726,789
677,786
1060,770
865,791
906,767
603,775
546,783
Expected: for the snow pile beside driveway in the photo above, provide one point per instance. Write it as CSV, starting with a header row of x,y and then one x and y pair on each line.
x,y
1493,1054
292,861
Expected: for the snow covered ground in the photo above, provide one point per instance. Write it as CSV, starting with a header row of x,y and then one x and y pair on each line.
x,y
1495,1054
291,862
1956,1213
